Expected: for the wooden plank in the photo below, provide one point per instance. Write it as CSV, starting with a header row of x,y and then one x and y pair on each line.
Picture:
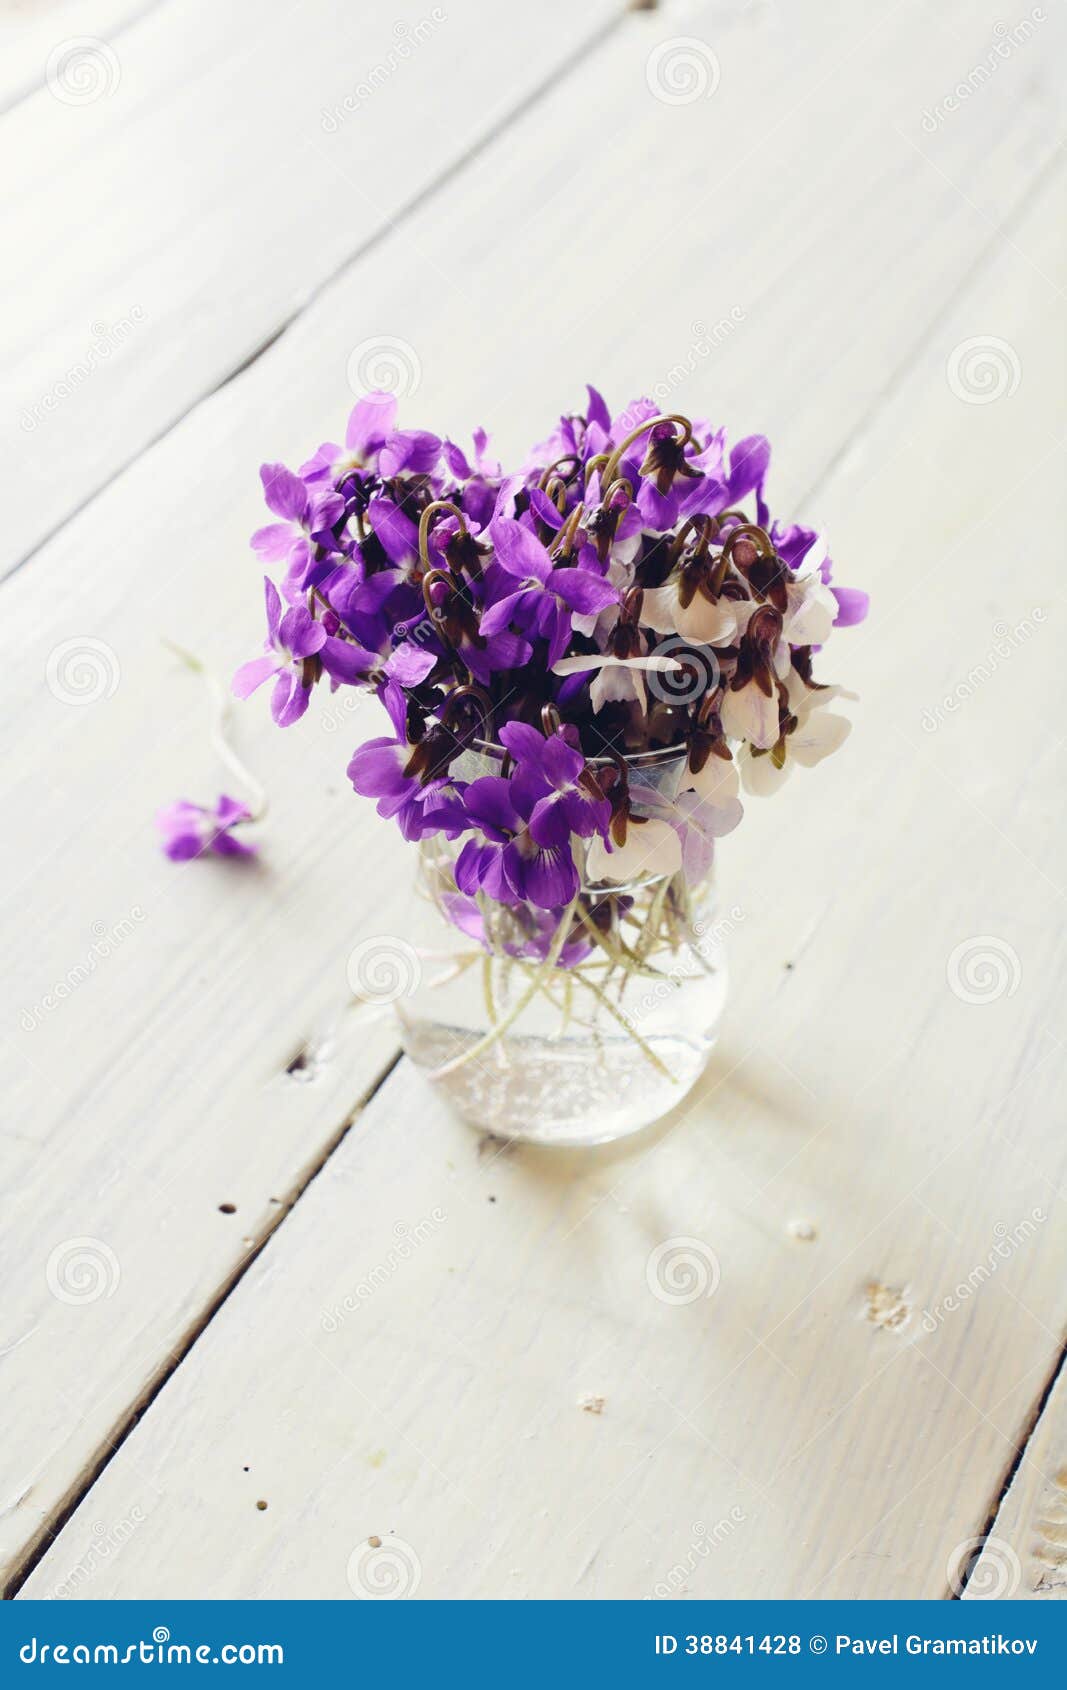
x,y
69,47
804,1405
1023,1556
233,158
128,1040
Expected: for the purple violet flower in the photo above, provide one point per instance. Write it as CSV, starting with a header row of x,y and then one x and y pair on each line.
x,y
547,593
308,518
852,606
293,641
509,865
412,451
190,829
369,425
376,770
534,946
549,788
599,584
461,467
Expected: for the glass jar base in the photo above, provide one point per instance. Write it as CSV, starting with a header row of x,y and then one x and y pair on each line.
x,y
560,1091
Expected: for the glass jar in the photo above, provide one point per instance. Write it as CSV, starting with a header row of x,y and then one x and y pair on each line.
x,y
568,1033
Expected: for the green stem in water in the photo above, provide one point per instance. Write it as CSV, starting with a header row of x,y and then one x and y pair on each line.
x,y
631,1031
559,939
618,953
487,988
568,1002
650,931
580,977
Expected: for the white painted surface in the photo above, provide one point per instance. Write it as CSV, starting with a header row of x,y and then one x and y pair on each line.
x,y
234,158
1025,1553
849,254
65,45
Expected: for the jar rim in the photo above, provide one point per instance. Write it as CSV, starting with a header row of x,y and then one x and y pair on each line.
x,y
638,759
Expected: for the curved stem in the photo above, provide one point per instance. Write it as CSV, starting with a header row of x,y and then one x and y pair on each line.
x,y
556,490
437,578
424,525
642,1044
744,531
635,434
469,692
549,472
706,526
550,720
565,537
748,531
544,971
258,802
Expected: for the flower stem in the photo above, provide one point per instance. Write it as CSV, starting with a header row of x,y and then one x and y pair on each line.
x,y
559,939
631,1031
620,952
612,465
424,525
223,749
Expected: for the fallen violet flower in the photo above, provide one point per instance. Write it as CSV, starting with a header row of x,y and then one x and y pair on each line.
x,y
189,830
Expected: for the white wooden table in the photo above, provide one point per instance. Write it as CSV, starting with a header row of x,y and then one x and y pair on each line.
x,y
259,1311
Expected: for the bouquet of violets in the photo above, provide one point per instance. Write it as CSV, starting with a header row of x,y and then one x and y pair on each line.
x,y
581,666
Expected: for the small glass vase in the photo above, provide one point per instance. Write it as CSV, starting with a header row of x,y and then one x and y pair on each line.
x,y
572,1037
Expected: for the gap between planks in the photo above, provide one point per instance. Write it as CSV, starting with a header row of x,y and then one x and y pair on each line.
x,y
51,1528
1033,1421
604,33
